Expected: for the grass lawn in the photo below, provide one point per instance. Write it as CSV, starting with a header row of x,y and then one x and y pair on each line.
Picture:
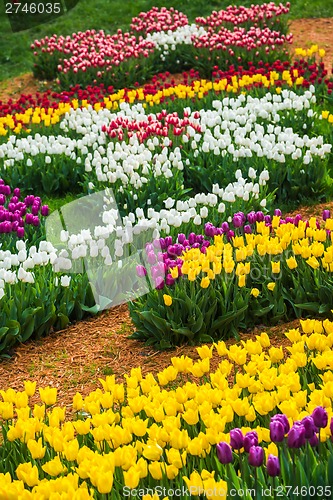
x,y
17,58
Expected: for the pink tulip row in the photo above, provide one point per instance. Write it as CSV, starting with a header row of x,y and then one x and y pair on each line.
x,y
95,49
164,124
156,20
250,39
240,15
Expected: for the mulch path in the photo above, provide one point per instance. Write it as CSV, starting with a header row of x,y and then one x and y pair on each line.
x,y
74,359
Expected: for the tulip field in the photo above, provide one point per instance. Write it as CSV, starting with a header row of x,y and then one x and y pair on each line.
x,y
203,134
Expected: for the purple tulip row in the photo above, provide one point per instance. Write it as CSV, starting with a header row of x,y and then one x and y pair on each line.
x,y
16,214
302,431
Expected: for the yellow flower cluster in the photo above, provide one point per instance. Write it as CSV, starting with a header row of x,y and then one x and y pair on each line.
x,y
326,115
314,49
160,427
309,243
52,116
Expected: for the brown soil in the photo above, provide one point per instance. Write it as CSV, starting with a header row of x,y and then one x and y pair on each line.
x,y
74,359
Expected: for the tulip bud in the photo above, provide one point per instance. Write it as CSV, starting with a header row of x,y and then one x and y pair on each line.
x,y
296,436
320,417
250,439
256,456
310,428
224,453
276,431
326,214
236,439
273,466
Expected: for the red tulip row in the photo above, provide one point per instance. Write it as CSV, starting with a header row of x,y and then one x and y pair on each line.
x,y
164,124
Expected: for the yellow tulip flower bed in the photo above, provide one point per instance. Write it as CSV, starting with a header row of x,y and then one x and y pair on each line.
x,y
277,271
160,433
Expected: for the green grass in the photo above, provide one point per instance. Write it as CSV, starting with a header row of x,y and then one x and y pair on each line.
x,y
16,56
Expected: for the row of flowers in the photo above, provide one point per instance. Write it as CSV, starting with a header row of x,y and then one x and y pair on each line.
x,y
46,109
189,149
124,58
257,421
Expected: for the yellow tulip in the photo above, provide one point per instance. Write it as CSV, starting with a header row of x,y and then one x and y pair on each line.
x,y
167,300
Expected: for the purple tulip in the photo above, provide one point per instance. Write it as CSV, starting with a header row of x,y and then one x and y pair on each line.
x,y
20,232
191,238
196,245
237,221
181,238
168,241
141,271
250,439
159,283
273,466
276,431
289,220
277,212
236,439
203,250
17,192
224,453
29,218
320,417
151,258
169,280
230,235
296,436
2,199
282,418
35,221
225,227
200,237
162,243
326,214
260,217
7,190
268,219
256,456
251,217
297,219
314,441
310,428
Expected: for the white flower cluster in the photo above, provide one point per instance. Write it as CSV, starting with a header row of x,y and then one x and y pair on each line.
x,y
20,266
167,41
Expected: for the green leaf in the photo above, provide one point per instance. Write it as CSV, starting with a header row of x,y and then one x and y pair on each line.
x,y
309,306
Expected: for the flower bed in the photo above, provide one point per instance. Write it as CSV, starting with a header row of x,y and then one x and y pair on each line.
x,y
125,58
256,421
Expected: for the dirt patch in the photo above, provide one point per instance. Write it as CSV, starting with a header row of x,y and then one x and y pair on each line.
x,y
319,32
